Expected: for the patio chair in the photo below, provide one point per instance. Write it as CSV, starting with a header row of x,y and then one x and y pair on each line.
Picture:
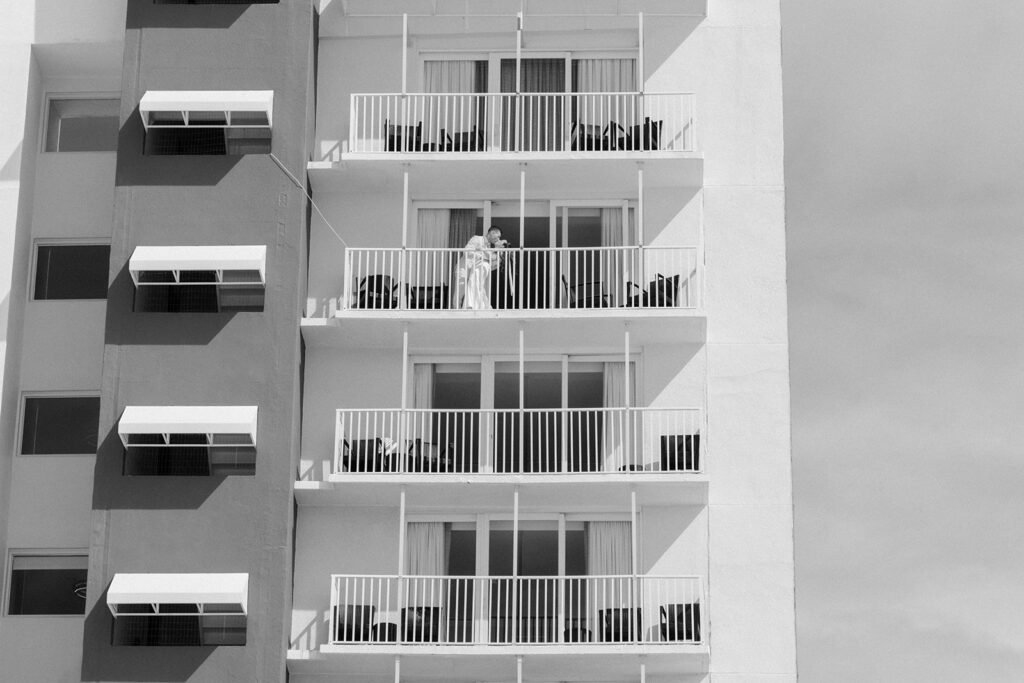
x,y
620,624
421,624
645,137
353,623
403,138
363,455
585,294
662,292
377,292
584,137
680,452
681,622
471,141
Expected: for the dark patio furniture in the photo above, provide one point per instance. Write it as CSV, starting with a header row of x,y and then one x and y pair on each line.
x,y
469,141
620,624
681,622
680,452
403,138
645,137
428,297
585,294
421,624
352,622
662,292
377,292
364,455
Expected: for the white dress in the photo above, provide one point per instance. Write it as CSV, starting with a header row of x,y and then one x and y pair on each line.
x,y
473,274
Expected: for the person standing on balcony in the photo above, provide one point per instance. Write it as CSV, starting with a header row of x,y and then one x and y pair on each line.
x,y
473,272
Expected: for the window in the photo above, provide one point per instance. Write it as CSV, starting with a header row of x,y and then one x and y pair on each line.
x,y
82,125
188,440
47,584
71,271
179,609
60,425
199,279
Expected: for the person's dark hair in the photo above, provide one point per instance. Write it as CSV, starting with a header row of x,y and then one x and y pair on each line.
x,y
493,229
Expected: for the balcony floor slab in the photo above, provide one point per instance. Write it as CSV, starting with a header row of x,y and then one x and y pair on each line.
x,y
472,175
537,492
597,662
597,331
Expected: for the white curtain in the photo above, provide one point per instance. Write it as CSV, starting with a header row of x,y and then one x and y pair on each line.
x,y
618,425
423,386
605,75
430,268
452,76
424,549
609,549
617,267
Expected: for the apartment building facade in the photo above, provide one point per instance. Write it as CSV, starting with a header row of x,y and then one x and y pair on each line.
x,y
282,403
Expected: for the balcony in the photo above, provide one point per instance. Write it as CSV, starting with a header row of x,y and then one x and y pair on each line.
x,y
577,456
457,626
571,139
524,125
557,281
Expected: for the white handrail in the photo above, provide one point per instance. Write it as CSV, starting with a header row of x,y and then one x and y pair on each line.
x,y
522,279
507,610
611,441
524,122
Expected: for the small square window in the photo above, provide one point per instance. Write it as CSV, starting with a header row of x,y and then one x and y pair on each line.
x,y
48,584
82,125
71,271
60,425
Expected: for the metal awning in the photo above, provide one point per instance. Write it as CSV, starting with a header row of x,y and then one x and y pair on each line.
x,y
156,594
224,264
207,108
156,425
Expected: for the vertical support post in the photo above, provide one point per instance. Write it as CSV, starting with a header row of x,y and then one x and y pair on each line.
x,y
403,266
515,566
643,672
398,669
522,396
522,298
401,532
642,266
565,421
403,421
482,588
519,113
519,669
553,254
562,622
401,562
640,53
405,206
634,587
628,454
405,54
487,216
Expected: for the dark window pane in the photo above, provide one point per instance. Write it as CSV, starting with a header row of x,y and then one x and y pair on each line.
x,y
60,425
48,585
82,125
72,271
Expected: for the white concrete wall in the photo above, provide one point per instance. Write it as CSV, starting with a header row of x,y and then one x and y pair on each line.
x,y
731,60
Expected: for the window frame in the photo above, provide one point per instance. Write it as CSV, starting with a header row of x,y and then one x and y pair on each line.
x,y
44,116
20,428
61,242
37,552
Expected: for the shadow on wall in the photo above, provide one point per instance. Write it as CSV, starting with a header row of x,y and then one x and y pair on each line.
x,y
161,329
11,170
664,37
103,661
670,204
314,634
186,170
112,490
163,14
658,382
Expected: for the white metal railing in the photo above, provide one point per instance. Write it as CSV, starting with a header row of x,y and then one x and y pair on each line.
x,y
525,122
530,441
521,279
505,610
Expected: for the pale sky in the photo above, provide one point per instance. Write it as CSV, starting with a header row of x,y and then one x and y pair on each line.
x,y
905,179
